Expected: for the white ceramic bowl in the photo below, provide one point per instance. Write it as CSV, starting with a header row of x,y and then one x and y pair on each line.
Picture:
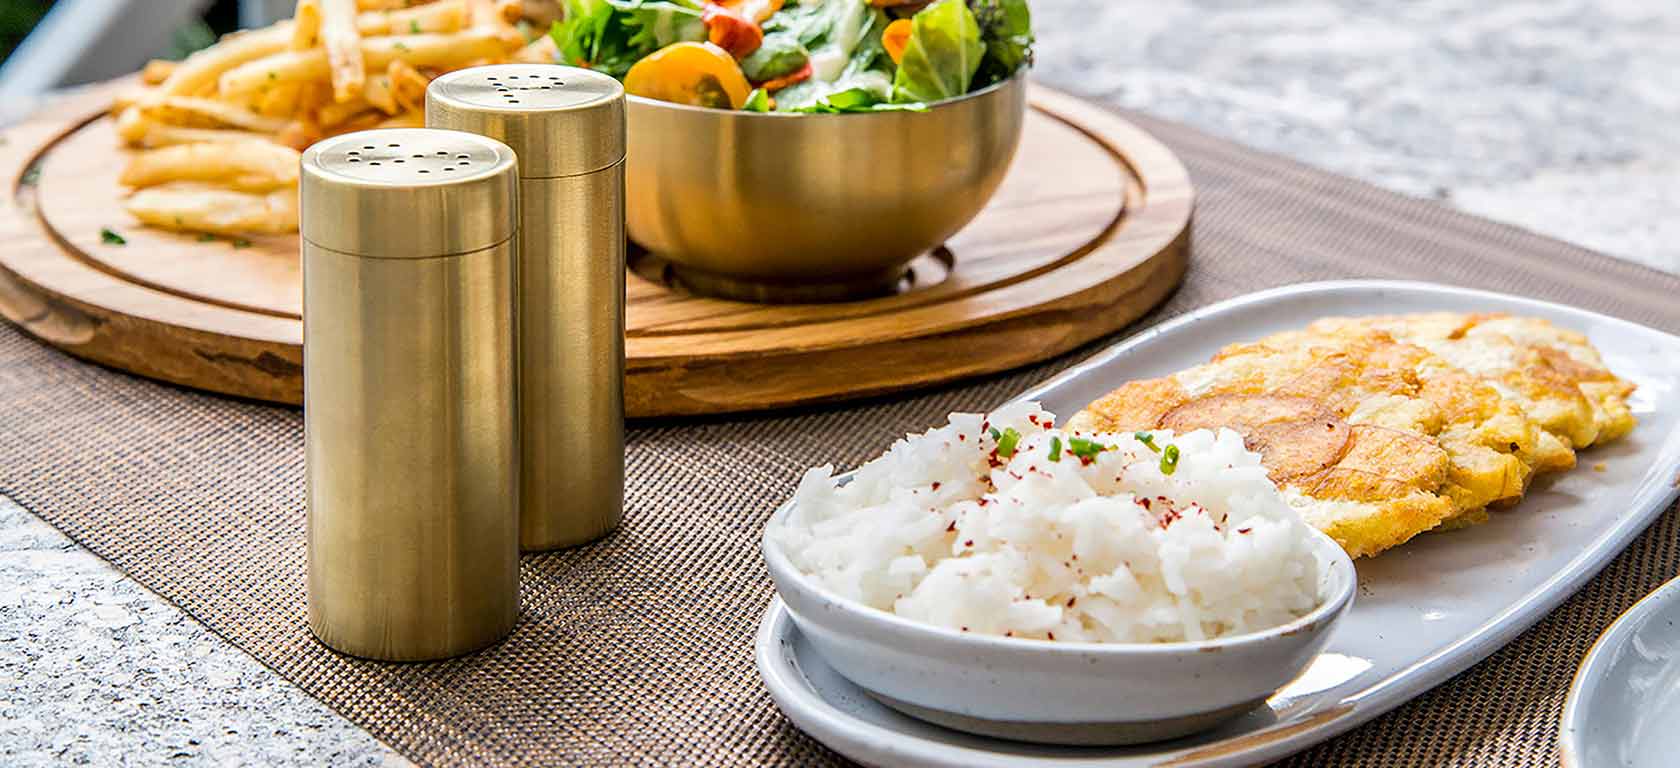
x,y
1058,692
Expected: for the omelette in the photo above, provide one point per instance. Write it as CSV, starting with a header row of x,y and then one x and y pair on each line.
x,y
1553,374
1378,429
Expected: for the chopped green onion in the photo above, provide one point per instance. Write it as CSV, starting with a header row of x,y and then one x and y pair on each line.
x,y
1006,443
108,237
993,431
1056,449
1169,460
414,26
1147,439
1086,449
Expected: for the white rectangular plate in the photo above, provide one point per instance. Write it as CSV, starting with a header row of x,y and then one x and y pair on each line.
x,y
1425,611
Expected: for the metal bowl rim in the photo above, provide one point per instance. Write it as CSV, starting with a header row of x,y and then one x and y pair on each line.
x,y
1019,76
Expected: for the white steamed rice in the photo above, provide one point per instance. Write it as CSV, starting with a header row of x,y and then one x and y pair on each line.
x,y
1106,548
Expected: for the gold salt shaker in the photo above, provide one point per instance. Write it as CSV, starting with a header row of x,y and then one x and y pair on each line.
x,y
567,127
410,402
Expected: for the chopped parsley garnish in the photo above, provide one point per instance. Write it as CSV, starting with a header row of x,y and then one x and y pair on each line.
x,y
414,26
108,237
1169,460
206,237
242,243
1006,442
1147,439
1056,449
1086,449
400,47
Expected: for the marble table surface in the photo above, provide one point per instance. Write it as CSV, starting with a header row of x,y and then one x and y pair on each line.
x,y
1555,115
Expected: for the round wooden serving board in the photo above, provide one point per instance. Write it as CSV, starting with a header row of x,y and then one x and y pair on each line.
x,y
1089,231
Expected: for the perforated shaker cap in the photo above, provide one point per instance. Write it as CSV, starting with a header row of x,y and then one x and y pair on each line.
x,y
561,121
409,193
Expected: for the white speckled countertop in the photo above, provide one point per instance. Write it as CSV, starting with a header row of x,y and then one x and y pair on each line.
x,y
1555,115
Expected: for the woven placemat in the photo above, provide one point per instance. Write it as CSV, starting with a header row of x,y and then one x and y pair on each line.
x,y
638,650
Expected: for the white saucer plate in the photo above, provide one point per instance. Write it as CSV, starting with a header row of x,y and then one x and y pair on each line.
x,y
1623,710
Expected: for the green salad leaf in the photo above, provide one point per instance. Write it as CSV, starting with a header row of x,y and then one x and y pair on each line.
x,y
612,35
852,100
943,54
757,101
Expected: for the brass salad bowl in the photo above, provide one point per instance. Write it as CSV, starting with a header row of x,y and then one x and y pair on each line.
x,y
779,207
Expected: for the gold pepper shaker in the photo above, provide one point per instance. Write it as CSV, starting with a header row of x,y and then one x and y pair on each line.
x,y
410,406
567,127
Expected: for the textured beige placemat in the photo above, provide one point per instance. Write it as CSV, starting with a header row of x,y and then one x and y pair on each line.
x,y
639,649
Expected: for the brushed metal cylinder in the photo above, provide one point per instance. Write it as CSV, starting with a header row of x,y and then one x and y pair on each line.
x,y
410,400
567,127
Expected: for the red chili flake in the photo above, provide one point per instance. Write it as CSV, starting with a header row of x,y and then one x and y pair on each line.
x,y
968,543
961,437
952,528
1071,600
1010,633
1076,557
1015,475
983,501
1033,418
936,485
1245,530
1051,634
965,629
1331,426
1143,502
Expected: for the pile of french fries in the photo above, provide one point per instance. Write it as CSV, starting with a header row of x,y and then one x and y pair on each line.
x,y
218,135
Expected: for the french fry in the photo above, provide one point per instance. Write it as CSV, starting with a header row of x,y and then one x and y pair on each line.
x,y
280,101
438,18
186,110
132,125
493,13
426,50
156,71
378,93
299,134
306,25
255,166
408,86
409,119
343,45
201,70
340,112
199,207
542,50
155,134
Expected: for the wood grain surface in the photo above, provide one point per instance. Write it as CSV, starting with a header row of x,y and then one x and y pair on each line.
x,y
1089,231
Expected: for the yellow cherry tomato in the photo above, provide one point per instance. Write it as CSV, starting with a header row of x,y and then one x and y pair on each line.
x,y
698,74
895,38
